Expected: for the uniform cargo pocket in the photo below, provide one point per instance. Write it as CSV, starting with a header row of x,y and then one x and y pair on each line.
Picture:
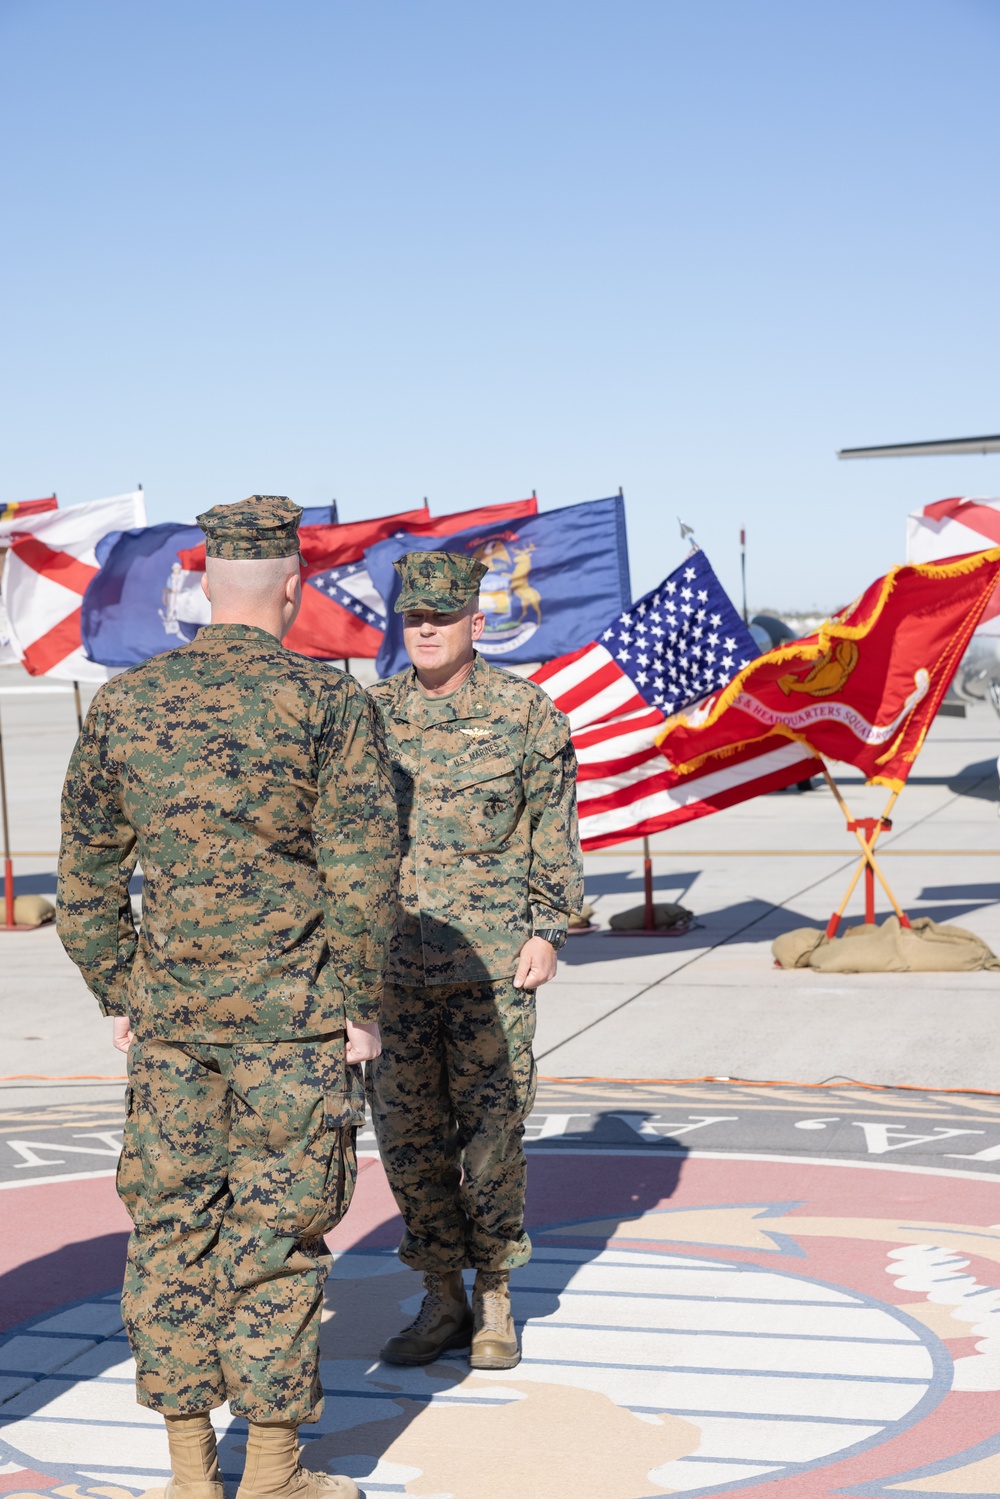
x,y
348,1111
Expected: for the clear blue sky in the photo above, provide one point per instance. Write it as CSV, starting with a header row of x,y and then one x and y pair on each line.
x,y
395,249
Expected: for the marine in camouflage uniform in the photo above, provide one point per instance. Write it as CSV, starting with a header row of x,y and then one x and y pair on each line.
x,y
252,786
484,779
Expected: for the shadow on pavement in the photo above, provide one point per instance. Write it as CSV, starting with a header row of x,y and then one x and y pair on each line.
x,y
629,882
91,1267
45,884
758,921
979,780
366,1309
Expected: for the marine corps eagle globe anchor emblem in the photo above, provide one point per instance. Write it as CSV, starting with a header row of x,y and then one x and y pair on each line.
x,y
827,674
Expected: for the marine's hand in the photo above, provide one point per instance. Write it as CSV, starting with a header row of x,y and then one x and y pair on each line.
x,y
121,1036
536,964
363,1042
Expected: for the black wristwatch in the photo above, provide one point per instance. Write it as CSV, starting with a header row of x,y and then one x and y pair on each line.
x,y
554,934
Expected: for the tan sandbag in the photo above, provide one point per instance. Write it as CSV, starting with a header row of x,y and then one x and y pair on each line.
x,y
862,949
933,947
928,947
666,916
794,949
33,910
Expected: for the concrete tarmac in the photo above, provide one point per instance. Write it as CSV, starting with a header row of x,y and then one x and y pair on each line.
x,y
732,1287
708,1004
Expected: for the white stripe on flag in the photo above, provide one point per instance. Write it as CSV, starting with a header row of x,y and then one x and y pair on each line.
x,y
612,699
576,672
694,788
608,744
683,798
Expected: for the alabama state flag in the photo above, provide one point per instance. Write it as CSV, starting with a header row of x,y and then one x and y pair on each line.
x,y
864,689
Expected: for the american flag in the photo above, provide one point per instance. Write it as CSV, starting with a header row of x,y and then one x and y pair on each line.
x,y
676,645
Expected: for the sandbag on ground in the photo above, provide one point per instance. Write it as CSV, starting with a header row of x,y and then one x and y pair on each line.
x,y
33,910
927,947
667,917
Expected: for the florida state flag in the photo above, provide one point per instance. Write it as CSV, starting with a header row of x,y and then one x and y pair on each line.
x,y
864,689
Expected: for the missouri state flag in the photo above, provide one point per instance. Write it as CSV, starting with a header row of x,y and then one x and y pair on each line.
x,y
864,689
343,613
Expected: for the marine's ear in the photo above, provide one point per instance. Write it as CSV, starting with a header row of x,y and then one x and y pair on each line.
x,y
204,586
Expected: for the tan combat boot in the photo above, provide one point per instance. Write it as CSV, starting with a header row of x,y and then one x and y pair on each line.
x,y
494,1341
444,1321
194,1461
272,1468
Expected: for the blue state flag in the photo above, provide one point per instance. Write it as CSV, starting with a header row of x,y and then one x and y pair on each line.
x,y
143,601
554,580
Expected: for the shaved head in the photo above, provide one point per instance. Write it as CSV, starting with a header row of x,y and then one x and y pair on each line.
x,y
253,582
262,591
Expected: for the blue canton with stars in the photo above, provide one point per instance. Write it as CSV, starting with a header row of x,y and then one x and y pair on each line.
x,y
683,640
332,585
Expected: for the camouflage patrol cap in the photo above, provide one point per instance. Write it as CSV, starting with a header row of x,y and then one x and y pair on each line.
x,y
442,581
265,525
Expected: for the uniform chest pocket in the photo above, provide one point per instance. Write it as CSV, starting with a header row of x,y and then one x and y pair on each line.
x,y
463,772
482,799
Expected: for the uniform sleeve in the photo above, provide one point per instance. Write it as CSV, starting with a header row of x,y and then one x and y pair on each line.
x,y
356,838
555,875
97,856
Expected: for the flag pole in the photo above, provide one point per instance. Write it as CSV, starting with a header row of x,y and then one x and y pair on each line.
x,y
8,864
649,917
743,568
79,707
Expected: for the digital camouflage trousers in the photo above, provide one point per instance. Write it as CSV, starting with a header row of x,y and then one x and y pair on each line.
x,y
449,1095
237,1159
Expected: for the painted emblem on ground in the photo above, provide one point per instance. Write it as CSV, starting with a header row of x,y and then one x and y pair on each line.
x,y
700,1326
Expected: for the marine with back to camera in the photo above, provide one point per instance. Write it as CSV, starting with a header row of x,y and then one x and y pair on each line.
x,y
252,785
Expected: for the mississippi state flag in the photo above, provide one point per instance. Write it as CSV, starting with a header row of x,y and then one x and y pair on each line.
x,y
45,577
683,640
950,527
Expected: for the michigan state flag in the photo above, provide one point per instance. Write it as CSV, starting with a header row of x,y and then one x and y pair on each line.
x,y
554,580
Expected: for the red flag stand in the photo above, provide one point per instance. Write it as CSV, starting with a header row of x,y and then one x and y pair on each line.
x,y
8,924
649,927
867,831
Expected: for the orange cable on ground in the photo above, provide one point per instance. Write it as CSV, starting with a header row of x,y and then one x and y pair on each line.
x,y
65,1077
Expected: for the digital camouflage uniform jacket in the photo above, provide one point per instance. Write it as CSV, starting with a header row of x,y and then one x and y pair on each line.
x,y
252,786
485,789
